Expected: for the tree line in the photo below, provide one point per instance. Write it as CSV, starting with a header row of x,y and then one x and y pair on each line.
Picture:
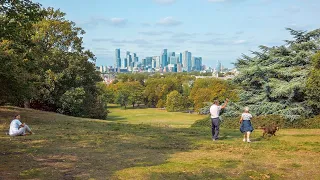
x,y
174,92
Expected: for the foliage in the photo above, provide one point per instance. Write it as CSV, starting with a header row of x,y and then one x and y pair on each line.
x,y
175,102
128,93
158,88
43,61
72,102
313,84
273,80
206,90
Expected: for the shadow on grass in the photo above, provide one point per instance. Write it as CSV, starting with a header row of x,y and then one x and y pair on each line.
x,y
67,147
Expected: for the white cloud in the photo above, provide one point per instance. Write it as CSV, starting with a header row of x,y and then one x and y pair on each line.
x,y
164,1
118,21
155,33
169,21
241,41
214,1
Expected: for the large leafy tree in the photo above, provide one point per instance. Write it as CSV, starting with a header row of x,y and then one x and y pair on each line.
x,y
274,78
313,85
43,61
17,66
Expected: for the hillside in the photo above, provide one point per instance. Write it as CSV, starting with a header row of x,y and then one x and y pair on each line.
x,y
163,147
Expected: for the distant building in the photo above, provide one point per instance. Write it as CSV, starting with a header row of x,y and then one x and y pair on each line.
x,y
219,66
117,58
197,63
164,58
173,60
180,58
155,62
179,67
148,61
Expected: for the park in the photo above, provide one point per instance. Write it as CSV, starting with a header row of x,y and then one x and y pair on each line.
x,y
150,144
63,116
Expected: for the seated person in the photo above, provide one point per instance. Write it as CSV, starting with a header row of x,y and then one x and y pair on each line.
x,y
17,128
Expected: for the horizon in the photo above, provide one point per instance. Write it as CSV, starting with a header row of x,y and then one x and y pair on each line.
x,y
217,30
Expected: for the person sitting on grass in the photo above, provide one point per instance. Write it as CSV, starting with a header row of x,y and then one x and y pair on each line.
x,y
17,128
246,127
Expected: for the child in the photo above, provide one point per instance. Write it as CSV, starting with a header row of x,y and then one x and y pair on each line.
x,y
246,127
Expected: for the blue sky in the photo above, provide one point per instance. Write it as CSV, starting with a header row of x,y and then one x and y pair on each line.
x,y
213,29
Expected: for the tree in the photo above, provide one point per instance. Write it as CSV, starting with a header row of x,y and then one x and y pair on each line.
x,y
43,61
175,102
208,89
17,66
273,80
136,95
313,85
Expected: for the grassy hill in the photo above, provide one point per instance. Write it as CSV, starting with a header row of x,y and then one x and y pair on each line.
x,y
149,144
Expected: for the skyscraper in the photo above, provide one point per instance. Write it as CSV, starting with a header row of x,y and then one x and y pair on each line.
x,y
180,58
156,61
189,61
148,61
197,63
125,63
186,61
117,58
218,68
129,59
164,58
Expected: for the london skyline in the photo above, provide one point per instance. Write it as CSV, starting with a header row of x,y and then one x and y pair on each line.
x,y
214,29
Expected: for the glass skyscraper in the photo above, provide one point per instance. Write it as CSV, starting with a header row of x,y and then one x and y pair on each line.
x,y
117,58
164,58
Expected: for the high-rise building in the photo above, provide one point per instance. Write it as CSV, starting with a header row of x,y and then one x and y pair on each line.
x,y
125,63
135,58
164,58
180,58
189,61
197,63
173,60
156,62
193,63
148,61
186,61
218,68
144,62
117,58
129,59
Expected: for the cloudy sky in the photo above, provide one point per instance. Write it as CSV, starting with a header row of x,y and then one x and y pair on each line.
x,y
214,29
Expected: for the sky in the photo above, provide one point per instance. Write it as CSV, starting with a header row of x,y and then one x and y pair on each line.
x,y
212,29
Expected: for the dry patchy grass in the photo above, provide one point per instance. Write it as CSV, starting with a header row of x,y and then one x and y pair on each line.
x,y
133,145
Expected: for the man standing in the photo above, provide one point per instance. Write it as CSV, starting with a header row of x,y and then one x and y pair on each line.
x,y
215,111
17,128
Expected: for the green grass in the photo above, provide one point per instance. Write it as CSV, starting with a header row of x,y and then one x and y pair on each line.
x,y
150,144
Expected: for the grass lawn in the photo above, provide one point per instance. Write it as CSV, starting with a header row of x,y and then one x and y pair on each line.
x,y
149,144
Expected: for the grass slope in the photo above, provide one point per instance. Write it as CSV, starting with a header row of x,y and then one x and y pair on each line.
x,y
163,147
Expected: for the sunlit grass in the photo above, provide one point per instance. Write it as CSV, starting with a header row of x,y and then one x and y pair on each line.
x,y
150,144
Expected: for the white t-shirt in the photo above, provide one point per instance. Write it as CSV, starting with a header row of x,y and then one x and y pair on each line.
x,y
14,126
246,116
215,111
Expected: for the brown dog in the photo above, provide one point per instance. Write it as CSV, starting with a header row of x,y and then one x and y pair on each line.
x,y
271,129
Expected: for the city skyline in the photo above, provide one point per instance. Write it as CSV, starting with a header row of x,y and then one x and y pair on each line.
x,y
165,62
215,29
